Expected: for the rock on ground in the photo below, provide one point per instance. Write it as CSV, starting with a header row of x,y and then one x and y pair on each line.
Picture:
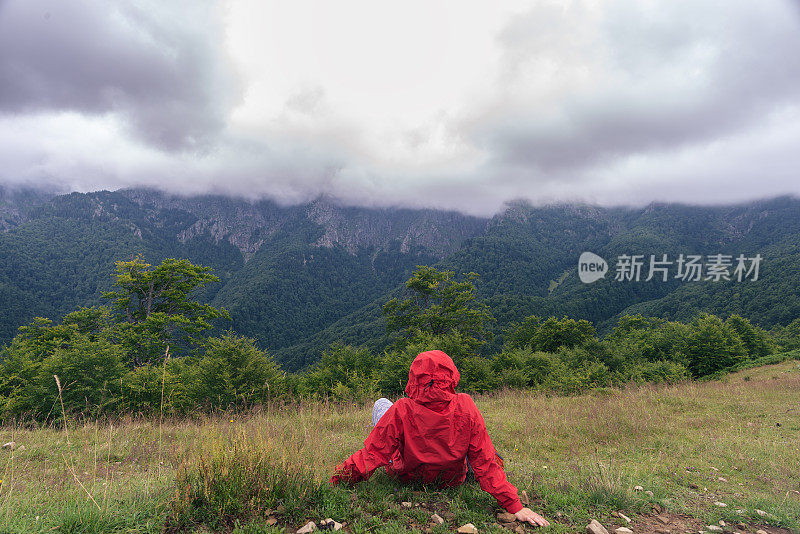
x,y
437,519
10,445
623,530
505,517
595,528
469,528
625,517
307,528
330,524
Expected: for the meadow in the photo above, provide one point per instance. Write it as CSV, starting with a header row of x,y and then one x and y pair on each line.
x,y
733,441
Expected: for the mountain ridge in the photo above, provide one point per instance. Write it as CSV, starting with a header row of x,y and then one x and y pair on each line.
x,y
298,277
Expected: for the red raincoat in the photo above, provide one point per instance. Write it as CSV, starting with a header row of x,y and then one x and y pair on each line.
x,y
430,435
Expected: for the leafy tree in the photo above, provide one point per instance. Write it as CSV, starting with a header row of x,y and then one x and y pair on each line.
x,y
551,334
756,341
234,371
150,389
157,307
711,346
438,305
787,337
344,371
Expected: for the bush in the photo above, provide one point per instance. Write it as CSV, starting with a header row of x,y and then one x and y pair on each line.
x,y
142,389
551,334
234,371
89,373
712,346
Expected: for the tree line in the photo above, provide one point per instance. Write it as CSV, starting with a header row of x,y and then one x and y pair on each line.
x,y
155,349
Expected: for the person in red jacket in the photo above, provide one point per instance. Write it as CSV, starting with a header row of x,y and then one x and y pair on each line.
x,y
433,435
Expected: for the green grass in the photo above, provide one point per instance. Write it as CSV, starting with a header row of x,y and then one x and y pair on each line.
x,y
735,440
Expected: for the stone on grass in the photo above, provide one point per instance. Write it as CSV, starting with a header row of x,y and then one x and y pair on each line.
x,y
524,498
505,517
406,504
595,528
519,529
307,528
720,504
623,530
713,528
638,488
625,517
762,513
759,531
437,519
664,519
722,523
649,493
271,521
21,448
330,524
722,479
469,528
10,445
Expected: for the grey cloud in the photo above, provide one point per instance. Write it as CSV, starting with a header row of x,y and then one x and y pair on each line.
x,y
166,77
645,98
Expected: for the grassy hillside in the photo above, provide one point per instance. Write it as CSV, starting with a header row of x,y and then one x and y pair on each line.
x,y
733,441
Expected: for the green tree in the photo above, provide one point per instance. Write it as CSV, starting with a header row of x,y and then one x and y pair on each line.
x,y
157,308
756,341
712,346
439,305
234,371
551,334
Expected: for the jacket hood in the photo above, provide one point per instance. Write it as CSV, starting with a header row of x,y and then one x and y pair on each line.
x,y
433,377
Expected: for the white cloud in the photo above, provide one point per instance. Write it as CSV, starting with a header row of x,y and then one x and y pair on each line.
x,y
439,103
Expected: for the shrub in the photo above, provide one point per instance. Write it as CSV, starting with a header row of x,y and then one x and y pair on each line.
x,y
711,346
234,371
150,388
89,372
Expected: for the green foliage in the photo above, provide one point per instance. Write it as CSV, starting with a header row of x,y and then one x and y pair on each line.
x,y
755,340
234,372
88,369
345,372
438,305
153,389
157,309
787,337
551,334
712,346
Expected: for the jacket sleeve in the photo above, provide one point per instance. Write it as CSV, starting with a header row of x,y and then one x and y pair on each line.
x,y
379,447
488,466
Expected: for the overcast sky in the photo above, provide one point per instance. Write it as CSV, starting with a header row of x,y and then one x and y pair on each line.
x,y
455,104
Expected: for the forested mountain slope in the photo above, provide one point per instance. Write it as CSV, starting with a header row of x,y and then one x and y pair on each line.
x,y
299,277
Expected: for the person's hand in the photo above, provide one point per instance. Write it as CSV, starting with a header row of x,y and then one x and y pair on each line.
x,y
526,514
